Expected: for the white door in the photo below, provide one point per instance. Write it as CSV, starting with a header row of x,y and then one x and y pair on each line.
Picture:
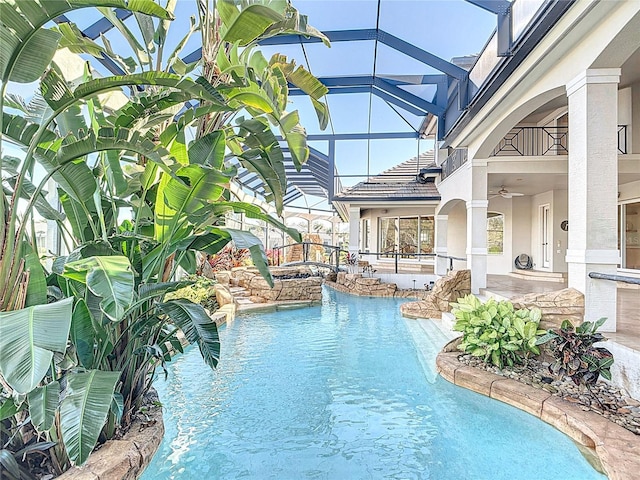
x,y
545,236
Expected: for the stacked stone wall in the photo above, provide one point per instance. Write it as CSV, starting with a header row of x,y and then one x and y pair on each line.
x,y
356,284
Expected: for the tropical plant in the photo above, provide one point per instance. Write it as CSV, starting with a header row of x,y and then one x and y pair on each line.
x,y
201,291
574,353
106,295
496,331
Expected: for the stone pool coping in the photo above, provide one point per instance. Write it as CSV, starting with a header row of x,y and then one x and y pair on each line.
x,y
617,449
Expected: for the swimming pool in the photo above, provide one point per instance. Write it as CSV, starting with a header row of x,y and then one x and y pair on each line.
x,y
338,392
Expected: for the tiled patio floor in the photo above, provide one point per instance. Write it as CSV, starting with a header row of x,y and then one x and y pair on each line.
x,y
628,324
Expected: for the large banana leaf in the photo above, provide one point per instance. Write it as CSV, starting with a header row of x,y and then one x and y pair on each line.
x,y
75,177
219,209
59,96
195,187
263,157
21,131
243,27
84,410
218,237
37,286
27,191
43,403
83,335
27,49
28,338
110,278
208,150
197,327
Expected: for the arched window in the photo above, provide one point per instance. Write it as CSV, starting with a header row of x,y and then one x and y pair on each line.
x,y
495,233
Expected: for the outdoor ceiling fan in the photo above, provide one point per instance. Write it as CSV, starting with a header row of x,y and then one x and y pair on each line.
x,y
504,193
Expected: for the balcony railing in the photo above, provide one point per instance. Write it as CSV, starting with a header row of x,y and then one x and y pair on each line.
x,y
453,162
533,141
541,141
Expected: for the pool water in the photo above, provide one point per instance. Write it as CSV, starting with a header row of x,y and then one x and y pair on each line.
x,y
338,392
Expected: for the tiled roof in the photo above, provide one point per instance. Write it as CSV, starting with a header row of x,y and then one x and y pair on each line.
x,y
397,183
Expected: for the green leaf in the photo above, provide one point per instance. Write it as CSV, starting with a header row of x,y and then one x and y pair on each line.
x,y
208,150
35,57
9,463
247,26
248,240
197,327
43,403
108,277
83,335
117,406
535,315
37,287
84,410
28,338
26,50
9,409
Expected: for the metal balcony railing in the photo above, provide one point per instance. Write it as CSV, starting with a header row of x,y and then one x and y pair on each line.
x,y
541,141
453,162
533,141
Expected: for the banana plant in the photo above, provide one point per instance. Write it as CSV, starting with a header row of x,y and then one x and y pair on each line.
x,y
135,159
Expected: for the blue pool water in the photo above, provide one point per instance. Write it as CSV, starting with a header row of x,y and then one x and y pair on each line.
x,y
338,392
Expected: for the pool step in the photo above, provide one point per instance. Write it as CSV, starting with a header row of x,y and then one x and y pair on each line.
x,y
429,339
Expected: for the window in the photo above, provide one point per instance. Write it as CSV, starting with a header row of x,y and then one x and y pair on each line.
x,y
407,236
495,232
388,231
427,234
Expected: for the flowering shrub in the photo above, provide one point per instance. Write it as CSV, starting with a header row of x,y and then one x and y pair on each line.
x,y
352,262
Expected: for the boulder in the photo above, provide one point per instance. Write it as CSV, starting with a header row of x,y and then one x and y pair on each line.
x,y
223,295
455,284
556,306
223,277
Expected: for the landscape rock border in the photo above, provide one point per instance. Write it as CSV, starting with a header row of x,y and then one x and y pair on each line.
x,y
617,449
124,459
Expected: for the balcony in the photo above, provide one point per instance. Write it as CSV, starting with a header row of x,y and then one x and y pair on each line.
x,y
543,141
453,162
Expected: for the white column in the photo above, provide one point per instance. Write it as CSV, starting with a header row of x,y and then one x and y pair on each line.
x,y
354,229
593,190
440,248
477,243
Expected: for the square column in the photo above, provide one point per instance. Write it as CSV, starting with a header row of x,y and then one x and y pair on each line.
x,y
440,248
477,243
593,190
354,230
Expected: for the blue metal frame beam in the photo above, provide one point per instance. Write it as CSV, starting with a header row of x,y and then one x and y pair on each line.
x,y
104,25
333,35
502,8
108,63
399,103
337,90
421,55
362,136
409,97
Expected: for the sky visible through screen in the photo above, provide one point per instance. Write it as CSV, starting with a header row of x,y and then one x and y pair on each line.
x,y
445,28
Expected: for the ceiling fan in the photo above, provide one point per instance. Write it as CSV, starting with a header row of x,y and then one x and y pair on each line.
x,y
504,193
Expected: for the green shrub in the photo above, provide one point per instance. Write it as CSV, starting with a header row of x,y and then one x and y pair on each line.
x,y
496,331
201,292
